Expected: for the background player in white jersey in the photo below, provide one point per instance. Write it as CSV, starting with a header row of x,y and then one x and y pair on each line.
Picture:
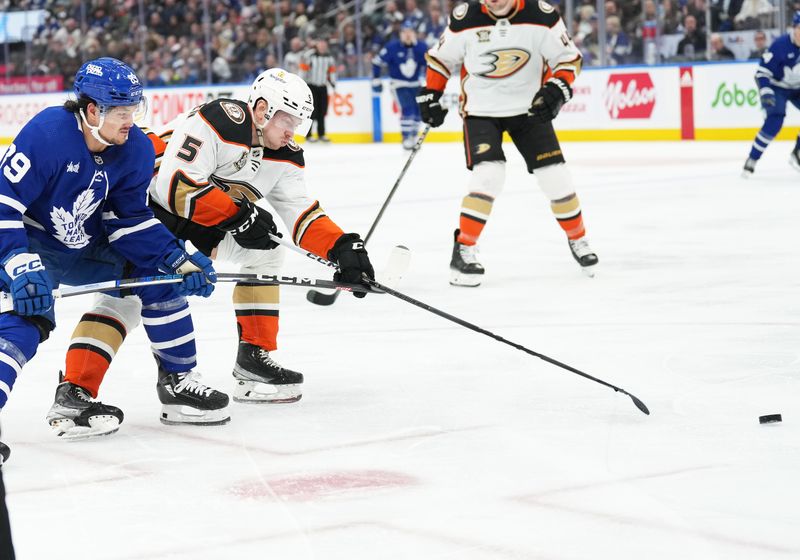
x,y
510,52
73,210
213,164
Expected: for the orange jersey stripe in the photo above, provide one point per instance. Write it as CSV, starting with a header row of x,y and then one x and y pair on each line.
x,y
320,236
213,207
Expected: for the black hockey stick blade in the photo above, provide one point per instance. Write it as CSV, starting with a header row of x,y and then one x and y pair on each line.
x,y
639,404
318,298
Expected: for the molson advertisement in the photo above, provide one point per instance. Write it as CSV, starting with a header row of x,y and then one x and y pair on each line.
x,y
631,103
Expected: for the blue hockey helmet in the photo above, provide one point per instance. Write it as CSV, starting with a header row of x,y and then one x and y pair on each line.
x,y
796,19
108,82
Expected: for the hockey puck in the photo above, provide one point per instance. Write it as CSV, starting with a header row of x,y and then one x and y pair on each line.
x,y
770,419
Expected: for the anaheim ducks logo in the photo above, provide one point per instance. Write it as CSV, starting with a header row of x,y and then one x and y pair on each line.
x,y
505,62
237,190
234,112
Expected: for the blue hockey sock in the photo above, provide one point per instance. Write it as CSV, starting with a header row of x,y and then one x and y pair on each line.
x,y
171,332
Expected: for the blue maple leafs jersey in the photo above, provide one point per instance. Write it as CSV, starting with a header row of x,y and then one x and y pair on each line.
x,y
53,188
406,64
780,65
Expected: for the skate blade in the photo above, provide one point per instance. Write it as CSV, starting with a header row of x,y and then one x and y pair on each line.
x,y
172,415
255,392
99,426
588,271
793,162
466,280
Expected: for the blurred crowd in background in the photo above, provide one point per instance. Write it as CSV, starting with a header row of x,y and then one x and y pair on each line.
x,y
172,42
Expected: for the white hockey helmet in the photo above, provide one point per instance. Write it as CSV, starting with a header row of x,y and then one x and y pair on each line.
x,y
283,91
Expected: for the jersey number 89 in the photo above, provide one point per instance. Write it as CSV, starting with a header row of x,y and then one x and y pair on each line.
x,y
17,166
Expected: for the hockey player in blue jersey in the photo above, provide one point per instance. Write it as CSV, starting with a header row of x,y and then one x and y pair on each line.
x,y
778,79
73,210
405,59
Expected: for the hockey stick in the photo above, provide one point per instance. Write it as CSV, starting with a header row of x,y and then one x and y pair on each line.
x,y
380,287
319,298
7,303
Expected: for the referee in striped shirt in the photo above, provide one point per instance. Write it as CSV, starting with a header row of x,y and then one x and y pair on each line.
x,y
319,70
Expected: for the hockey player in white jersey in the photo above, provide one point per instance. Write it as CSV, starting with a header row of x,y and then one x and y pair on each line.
x,y
517,68
212,165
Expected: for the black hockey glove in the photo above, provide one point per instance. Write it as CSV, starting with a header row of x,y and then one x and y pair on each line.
x,y
351,256
432,111
548,100
251,226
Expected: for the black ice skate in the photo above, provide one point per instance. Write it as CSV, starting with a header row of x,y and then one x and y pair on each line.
x,y
74,415
794,159
465,270
584,255
5,453
750,166
186,400
260,379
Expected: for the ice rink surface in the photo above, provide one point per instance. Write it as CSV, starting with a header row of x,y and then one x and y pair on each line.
x,y
419,439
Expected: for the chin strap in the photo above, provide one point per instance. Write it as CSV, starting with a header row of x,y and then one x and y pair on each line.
x,y
95,130
260,136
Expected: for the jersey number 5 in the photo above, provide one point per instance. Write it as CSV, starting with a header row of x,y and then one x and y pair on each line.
x,y
17,166
189,149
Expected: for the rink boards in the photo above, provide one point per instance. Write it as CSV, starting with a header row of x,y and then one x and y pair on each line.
x,y
700,102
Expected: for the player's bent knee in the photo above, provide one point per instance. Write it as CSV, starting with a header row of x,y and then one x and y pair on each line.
x,y
126,310
264,262
555,181
488,177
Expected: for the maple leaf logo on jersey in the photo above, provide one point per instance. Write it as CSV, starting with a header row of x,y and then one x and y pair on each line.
x,y
69,225
505,63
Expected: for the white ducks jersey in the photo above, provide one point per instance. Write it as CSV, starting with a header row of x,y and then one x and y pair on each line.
x,y
504,60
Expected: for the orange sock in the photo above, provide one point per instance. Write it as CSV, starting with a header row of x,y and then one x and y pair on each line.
x,y
475,211
568,213
256,308
94,344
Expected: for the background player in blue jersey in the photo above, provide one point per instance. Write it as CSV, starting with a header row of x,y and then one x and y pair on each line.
x,y
73,210
405,60
778,79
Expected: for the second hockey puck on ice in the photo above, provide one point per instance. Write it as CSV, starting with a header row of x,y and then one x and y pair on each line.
x,y
770,419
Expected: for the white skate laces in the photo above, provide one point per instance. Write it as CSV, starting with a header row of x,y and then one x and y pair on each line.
x,y
190,383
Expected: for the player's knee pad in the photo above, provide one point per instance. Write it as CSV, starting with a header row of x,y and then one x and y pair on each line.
x,y
126,310
555,181
488,177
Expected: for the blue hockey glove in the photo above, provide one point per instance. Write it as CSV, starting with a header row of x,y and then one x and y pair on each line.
x,y
198,272
351,256
28,282
767,98
377,85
